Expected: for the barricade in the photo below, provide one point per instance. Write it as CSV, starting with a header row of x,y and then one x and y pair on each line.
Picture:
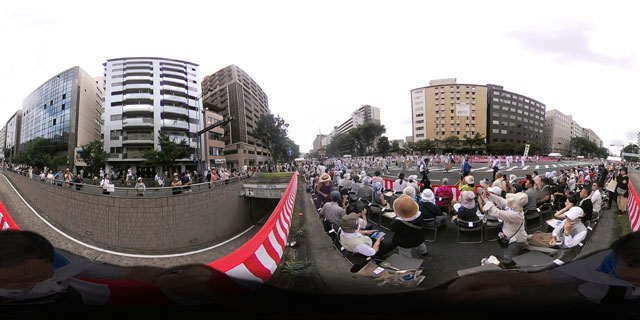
x,y
247,267
633,208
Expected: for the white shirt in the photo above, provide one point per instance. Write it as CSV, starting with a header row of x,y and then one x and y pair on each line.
x,y
399,185
596,199
496,163
569,241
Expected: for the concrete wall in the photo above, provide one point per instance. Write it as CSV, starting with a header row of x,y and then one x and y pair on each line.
x,y
137,225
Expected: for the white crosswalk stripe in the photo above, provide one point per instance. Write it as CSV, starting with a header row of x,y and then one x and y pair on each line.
x,y
511,169
554,166
537,167
525,168
546,166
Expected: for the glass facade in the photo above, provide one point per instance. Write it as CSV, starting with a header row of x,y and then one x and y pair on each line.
x,y
47,111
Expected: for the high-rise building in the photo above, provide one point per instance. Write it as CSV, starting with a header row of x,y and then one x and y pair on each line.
x,y
145,97
317,142
214,141
446,108
514,118
66,109
592,136
12,140
576,130
3,138
360,116
231,92
557,132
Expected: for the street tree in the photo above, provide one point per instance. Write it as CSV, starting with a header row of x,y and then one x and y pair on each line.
x,y
168,153
43,152
451,141
94,156
383,145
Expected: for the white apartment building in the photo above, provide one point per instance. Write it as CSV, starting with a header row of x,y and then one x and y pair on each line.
x,y
143,97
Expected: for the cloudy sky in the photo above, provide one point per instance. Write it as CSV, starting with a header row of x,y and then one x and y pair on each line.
x,y
319,60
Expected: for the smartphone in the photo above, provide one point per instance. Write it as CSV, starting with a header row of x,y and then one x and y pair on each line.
x,y
408,277
377,235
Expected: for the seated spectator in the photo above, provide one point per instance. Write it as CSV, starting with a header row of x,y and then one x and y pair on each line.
x,y
399,184
444,196
407,227
356,240
467,208
532,197
377,178
378,196
586,204
467,184
411,192
543,191
334,210
429,209
356,184
572,201
514,186
365,192
566,235
499,182
511,211
413,182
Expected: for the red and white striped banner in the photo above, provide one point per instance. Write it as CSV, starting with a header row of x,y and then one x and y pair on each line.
x,y
255,262
633,207
6,223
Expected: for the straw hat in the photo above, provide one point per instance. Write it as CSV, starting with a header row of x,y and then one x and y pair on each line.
x,y
405,207
517,201
324,177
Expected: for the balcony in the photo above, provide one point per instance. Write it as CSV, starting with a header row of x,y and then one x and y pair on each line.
x,y
127,78
175,124
138,86
134,154
170,72
174,88
138,96
133,138
176,110
175,98
137,122
137,108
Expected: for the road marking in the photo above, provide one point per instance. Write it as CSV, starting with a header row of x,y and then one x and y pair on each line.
x,y
511,169
121,253
546,166
554,166
525,168
537,167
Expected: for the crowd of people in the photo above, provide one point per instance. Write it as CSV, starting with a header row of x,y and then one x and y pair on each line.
x,y
347,191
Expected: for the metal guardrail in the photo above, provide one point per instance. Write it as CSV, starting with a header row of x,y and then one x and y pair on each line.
x,y
123,192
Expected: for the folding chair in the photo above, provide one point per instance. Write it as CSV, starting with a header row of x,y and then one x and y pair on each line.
x,y
492,224
468,227
430,227
531,217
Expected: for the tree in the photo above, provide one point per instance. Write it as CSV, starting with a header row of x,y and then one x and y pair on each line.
x,y
168,153
94,156
340,145
364,136
424,145
602,152
383,145
395,146
451,141
43,152
272,131
582,146
631,148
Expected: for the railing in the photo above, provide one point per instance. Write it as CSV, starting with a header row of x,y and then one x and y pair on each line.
x,y
131,192
175,124
137,121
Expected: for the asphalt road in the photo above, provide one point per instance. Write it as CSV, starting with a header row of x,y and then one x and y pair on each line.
x,y
482,170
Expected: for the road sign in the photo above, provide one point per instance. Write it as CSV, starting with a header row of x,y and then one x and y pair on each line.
x,y
626,154
289,152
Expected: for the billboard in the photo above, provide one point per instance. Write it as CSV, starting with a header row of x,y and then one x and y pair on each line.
x,y
462,110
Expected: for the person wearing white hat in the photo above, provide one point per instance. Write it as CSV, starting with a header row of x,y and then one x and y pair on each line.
x,y
511,211
568,234
141,187
429,209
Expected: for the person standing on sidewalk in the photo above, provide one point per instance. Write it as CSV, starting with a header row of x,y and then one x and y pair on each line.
x,y
622,190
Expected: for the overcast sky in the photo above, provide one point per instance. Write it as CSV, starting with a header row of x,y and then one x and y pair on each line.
x,y
318,61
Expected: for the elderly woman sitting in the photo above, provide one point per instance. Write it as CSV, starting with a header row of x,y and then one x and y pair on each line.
x,y
467,208
511,211
407,227
430,210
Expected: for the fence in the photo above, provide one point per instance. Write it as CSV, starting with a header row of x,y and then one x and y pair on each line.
x,y
633,207
154,192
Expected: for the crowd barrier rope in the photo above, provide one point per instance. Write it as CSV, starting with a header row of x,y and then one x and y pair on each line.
x,y
633,208
246,268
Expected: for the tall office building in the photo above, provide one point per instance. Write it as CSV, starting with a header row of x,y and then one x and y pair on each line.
x,y
12,140
446,108
214,141
514,118
592,136
557,132
3,138
66,109
146,96
231,92
359,117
